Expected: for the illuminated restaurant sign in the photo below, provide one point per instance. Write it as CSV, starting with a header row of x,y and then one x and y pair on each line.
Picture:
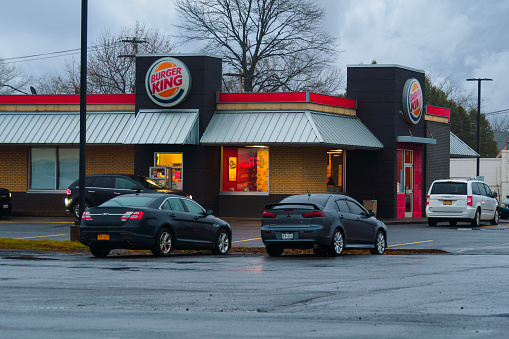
x,y
412,101
168,82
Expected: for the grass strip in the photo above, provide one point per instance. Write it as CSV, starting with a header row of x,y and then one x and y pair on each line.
x,y
76,247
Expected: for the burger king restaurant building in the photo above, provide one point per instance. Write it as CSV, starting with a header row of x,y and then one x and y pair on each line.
x,y
234,152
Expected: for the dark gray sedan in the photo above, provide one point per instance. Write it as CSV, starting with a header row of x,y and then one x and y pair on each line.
x,y
327,223
153,221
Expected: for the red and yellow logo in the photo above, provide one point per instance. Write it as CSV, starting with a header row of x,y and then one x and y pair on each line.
x,y
168,82
412,101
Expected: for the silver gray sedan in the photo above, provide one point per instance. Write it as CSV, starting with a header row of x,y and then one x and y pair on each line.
x,y
327,223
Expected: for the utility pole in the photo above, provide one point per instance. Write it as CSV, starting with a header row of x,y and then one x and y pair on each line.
x,y
479,80
133,41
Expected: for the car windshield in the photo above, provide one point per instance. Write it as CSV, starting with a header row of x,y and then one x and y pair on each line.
x,y
128,200
148,183
454,188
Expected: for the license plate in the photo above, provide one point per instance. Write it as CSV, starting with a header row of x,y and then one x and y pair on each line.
x,y
287,236
103,237
447,202
6,206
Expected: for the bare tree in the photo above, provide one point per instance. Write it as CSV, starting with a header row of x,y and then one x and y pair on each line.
x,y
12,79
111,63
273,45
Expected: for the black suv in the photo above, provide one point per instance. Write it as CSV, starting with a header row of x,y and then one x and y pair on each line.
x,y
5,201
102,187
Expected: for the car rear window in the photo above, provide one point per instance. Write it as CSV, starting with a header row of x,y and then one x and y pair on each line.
x,y
312,199
293,206
134,201
453,188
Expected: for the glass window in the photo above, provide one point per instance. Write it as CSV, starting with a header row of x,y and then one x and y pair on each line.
x,y
454,188
124,183
488,190
173,204
192,207
53,168
475,189
355,208
400,186
343,207
132,201
68,166
169,171
335,171
245,169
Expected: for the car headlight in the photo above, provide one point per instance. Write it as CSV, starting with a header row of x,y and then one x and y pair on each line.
x,y
502,205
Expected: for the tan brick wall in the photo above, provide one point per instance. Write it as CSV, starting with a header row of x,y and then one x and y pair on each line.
x,y
297,170
14,168
110,159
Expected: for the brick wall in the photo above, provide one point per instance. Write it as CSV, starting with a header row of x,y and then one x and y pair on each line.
x,y
297,170
14,168
110,159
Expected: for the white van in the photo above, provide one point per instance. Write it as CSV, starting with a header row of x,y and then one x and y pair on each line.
x,y
456,200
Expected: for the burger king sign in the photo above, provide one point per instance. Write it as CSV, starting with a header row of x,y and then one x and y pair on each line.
x,y
412,101
168,82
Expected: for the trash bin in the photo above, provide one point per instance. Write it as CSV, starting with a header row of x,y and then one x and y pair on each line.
x,y
370,205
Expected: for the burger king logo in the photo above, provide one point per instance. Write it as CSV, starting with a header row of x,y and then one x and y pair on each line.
x,y
412,101
168,82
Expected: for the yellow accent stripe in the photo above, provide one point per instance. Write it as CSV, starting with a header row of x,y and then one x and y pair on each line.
x,y
410,243
41,236
248,240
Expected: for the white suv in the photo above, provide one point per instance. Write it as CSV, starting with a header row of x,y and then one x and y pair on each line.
x,y
456,200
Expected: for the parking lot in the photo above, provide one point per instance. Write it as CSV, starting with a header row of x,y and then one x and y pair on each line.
x,y
406,234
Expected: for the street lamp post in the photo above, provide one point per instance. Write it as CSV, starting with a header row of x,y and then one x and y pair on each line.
x,y
479,80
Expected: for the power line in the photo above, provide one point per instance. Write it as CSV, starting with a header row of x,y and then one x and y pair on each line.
x,y
43,56
498,112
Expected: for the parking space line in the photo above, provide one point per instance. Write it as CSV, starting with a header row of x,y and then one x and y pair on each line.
x,y
410,243
478,248
41,236
247,240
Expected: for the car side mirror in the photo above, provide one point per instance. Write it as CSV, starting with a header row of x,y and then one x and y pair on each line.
x,y
494,195
209,212
371,213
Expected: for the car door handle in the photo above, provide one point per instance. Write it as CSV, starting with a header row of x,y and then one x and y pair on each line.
x,y
172,215
91,191
341,216
117,193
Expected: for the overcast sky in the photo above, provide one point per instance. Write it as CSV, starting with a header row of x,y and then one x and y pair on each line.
x,y
444,38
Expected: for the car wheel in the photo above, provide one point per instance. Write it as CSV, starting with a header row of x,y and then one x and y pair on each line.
x,y
223,243
274,251
496,217
432,222
163,245
338,243
99,251
379,244
452,222
477,219
76,209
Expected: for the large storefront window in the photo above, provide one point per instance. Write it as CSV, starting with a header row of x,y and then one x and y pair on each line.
x,y
405,179
53,168
335,171
245,169
168,170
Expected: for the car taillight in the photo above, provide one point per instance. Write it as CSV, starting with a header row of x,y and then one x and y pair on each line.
x,y
427,200
86,216
314,214
470,201
269,215
68,191
132,215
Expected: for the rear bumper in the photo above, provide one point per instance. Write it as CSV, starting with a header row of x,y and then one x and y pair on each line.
x,y
467,214
5,206
117,239
307,237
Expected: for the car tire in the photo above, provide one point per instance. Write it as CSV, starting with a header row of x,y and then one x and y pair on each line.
x,y
163,244
338,243
496,217
274,251
99,251
477,219
76,209
453,223
432,222
223,243
380,244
